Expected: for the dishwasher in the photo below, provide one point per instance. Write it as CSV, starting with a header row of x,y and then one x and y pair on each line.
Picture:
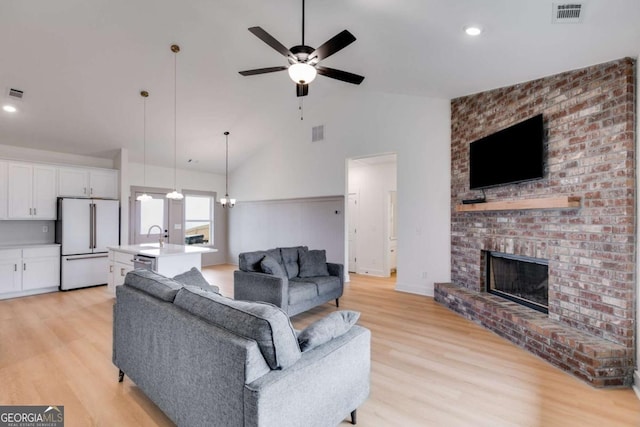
x,y
144,262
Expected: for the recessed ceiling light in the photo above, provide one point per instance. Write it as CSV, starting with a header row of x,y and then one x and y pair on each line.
x,y
473,30
9,108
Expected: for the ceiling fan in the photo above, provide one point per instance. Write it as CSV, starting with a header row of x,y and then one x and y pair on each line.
x,y
303,60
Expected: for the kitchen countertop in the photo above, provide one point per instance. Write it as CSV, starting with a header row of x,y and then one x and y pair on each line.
x,y
26,245
153,249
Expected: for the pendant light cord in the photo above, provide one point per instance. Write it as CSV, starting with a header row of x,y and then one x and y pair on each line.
x,y
144,138
175,120
226,167
302,22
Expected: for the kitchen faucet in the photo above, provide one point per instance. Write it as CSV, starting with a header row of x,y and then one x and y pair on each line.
x,y
160,239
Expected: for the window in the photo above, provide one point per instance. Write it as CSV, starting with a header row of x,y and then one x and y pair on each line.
x,y
198,219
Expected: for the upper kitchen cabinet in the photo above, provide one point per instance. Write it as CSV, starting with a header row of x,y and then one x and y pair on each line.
x,y
31,192
3,190
81,182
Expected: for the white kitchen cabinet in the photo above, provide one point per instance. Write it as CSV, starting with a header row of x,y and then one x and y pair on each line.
x,y
40,268
28,271
84,182
103,184
3,190
120,263
31,191
10,270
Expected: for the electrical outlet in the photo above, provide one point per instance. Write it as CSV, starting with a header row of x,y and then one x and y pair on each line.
x,y
424,274
45,228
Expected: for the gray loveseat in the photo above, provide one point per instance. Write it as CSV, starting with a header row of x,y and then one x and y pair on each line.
x,y
207,360
295,279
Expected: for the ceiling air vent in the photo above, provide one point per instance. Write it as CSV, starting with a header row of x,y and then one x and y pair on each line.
x,y
16,93
317,133
567,13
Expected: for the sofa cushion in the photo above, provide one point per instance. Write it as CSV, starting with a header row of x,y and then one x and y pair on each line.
x,y
313,263
269,265
331,326
153,284
194,277
250,261
265,323
301,290
291,260
325,284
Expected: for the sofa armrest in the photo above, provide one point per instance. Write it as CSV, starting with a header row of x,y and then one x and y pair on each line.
x,y
253,286
325,385
336,270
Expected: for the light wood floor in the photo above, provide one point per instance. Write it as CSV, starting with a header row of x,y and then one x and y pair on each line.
x,y
430,367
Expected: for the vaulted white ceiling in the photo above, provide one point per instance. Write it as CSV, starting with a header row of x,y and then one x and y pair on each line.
x,y
82,64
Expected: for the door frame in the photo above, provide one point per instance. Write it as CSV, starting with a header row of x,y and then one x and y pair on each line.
x,y
133,223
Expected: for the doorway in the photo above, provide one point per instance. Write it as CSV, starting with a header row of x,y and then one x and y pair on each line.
x,y
150,218
372,215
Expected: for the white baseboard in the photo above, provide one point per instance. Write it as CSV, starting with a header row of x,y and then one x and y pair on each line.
x,y
636,383
29,293
371,272
413,289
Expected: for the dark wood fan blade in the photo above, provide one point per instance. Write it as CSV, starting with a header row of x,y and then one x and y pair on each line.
x,y
270,40
331,46
262,70
340,75
302,90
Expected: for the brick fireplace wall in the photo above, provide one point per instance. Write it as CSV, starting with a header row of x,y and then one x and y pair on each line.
x,y
589,121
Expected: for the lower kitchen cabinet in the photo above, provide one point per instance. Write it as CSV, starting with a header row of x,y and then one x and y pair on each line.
x,y
29,270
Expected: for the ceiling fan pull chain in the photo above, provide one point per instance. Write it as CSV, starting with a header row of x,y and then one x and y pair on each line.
x,y
300,107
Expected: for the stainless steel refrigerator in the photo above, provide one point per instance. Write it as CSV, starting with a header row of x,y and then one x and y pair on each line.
x,y
84,229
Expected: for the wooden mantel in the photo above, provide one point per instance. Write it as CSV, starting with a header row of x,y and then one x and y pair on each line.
x,y
564,202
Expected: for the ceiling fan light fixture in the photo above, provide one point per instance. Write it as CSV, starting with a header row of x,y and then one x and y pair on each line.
x,y
473,30
302,73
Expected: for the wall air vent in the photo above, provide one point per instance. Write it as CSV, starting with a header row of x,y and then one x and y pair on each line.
x,y
317,133
16,93
567,13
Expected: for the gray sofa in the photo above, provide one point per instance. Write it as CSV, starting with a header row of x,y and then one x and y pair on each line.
x,y
208,360
301,280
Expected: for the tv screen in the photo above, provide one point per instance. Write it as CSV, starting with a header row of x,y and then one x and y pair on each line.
x,y
514,154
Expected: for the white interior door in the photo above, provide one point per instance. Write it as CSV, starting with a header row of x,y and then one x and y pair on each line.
x,y
149,213
353,230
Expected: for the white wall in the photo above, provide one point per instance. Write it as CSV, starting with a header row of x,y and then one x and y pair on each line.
x,y
372,184
317,223
33,155
358,124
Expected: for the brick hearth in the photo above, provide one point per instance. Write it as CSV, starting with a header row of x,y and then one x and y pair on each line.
x,y
589,118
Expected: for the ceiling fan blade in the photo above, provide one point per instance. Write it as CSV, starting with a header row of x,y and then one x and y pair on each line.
x,y
262,70
340,75
331,46
302,90
270,40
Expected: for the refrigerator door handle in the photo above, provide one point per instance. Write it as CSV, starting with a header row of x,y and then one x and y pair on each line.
x,y
93,225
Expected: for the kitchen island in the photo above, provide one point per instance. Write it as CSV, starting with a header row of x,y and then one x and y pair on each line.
x,y
168,260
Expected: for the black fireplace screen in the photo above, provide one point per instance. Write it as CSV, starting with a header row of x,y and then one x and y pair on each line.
x,y
521,279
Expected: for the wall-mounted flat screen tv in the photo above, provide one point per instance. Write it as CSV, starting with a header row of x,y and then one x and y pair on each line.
x,y
511,155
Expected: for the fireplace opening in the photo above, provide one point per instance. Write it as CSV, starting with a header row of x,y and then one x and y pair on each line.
x,y
520,279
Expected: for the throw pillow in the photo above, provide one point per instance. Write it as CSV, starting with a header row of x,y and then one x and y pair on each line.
x,y
269,265
329,327
194,277
313,263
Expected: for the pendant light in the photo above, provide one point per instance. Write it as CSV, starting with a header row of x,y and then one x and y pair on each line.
x,y
144,196
174,194
226,201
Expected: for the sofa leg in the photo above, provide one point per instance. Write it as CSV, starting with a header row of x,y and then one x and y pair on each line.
x,y
120,376
338,302
353,417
